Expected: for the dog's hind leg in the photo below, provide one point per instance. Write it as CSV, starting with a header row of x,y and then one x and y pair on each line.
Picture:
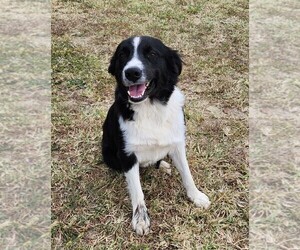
x,y
178,156
140,218
164,166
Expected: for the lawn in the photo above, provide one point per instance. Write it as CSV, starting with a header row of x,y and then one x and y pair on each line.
x,y
90,206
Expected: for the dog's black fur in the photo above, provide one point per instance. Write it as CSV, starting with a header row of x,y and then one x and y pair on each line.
x,y
146,122
163,66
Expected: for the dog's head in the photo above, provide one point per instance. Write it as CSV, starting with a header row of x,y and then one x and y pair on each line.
x,y
145,68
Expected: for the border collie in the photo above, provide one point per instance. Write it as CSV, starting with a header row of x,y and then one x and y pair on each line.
x,y
146,121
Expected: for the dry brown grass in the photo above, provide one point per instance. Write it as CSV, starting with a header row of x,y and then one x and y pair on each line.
x,y
24,125
91,208
274,125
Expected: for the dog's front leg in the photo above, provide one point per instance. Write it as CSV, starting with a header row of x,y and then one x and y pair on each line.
x,y
178,156
140,218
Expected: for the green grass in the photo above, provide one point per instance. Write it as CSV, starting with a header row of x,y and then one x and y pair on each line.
x,y
91,209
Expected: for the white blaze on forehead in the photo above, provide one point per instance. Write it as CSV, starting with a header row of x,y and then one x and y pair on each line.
x,y
136,42
135,61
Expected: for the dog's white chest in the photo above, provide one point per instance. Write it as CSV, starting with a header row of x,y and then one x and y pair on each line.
x,y
155,128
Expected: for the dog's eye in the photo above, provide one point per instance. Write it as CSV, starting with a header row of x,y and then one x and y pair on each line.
x,y
152,55
123,54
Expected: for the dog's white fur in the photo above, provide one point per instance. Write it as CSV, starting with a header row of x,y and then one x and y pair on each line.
x,y
158,130
155,129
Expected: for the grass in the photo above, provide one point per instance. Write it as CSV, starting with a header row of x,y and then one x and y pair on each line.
x,y
274,92
25,129
90,207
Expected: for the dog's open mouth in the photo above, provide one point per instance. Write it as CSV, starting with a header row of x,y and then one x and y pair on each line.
x,y
137,92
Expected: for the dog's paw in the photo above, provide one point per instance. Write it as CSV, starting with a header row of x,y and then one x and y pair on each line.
x,y
166,167
199,198
141,220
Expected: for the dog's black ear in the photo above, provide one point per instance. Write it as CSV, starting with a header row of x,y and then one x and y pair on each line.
x,y
175,62
112,65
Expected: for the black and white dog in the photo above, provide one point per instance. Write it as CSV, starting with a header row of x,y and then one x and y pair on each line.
x,y
146,121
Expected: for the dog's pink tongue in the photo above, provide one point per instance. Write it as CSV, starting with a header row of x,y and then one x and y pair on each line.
x,y
137,90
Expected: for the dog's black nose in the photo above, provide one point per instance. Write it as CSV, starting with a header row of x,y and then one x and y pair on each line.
x,y
133,74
